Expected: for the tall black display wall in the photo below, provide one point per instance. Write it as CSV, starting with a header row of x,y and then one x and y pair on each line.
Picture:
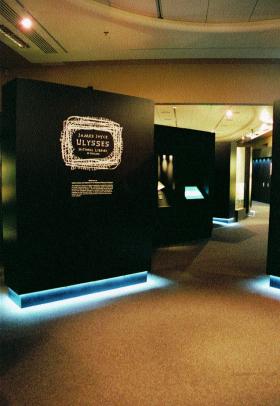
x,y
66,226
273,257
1,221
261,179
191,154
248,178
225,180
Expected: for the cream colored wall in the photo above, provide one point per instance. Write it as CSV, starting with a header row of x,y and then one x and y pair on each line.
x,y
171,82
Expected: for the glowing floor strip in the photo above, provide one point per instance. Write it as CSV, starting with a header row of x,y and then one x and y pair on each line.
x,y
275,281
262,287
223,220
225,224
77,304
45,296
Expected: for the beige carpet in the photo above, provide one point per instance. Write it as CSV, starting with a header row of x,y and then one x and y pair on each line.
x,y
205,340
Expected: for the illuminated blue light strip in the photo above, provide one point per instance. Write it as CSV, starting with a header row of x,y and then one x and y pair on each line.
x,y
51,295
274,281
224,220
12,313
261,285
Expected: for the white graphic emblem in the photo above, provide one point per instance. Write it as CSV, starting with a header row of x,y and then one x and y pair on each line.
x,y
91,143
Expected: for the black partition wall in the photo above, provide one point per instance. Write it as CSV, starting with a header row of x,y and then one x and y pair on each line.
x,y
185,160
1,221
225,180
273,255
262,167
79,185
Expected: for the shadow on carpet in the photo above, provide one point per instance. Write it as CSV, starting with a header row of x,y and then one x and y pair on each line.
x,y
232,235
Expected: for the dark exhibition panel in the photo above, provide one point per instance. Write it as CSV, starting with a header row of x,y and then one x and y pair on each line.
x,y
225,180
262,168
1,233
248,179
78,185
185,160
273,254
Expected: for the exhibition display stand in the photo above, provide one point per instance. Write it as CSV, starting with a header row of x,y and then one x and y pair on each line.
x,y
78,190
185,160
262,169
273,253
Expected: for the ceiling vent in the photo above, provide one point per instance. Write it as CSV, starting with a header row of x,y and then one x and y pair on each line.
x,y
12,37
10,15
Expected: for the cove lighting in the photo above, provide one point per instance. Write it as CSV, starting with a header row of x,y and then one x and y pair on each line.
x,y
26,23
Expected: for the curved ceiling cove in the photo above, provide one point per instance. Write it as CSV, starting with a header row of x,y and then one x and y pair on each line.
x,y
229,123
100,30
201,11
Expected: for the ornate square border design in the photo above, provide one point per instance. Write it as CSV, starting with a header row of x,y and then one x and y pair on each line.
x,y
75,123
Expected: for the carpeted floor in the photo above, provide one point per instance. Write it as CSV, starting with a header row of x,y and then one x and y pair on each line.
x,y
210,336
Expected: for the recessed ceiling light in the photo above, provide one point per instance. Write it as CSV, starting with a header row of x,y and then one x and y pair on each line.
x,y
229,114
26,23
265,117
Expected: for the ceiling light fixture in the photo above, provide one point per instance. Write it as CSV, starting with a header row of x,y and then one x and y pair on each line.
x,y
265,117
26,23
229,114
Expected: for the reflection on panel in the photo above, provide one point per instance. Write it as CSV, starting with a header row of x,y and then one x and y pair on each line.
x,y
166,183
240,178
8,197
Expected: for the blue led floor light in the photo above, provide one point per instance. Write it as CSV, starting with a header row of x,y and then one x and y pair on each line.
x,y
274,281
51,295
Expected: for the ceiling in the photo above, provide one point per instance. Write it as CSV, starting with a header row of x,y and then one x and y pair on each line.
x,y
202,11
88,30
245,123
